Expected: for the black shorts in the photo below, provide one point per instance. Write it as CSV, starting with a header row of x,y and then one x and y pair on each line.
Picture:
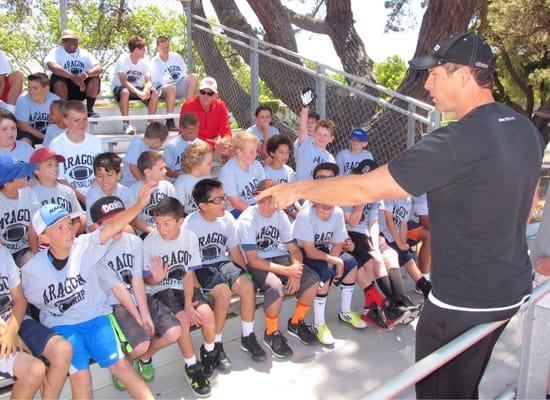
x,y
74,92
404,255
210,276
174,300
35,335
362,247
133,96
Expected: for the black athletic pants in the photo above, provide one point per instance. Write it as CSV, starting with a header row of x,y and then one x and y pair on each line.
x,y
460,377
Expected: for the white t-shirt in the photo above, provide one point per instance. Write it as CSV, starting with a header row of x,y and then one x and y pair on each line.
x,y
281,175
15,218
348,161
59,194
173,150
184,189
171,71
78,168
241,183
420,205
271,131
164,189
307,157
368,215
136,147
121,263
215,237
36,115
70,295
5,68
308,227
266,236
79,61
21,152
401,210
180,254
95,193
10,278
52,131
136,73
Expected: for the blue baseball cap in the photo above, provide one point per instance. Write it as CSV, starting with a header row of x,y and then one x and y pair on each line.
x,y
360,134
48,215
11,169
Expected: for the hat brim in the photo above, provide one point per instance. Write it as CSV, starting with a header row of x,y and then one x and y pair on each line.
x,y
19,170
208,87
70,37
423,63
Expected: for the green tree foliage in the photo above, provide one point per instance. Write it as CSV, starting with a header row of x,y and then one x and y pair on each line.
x,y
391,72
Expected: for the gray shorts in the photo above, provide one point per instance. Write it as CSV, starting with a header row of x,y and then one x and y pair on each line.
x,y
210,276
273,285
174,300
162,318
181,89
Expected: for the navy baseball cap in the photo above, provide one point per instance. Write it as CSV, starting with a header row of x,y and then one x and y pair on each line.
x,y
326,165
49,215
460,48
105,208
360,134
365,166
11,169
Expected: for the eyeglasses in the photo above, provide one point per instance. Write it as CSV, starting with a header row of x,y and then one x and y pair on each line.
x,y
206,93
217,200
323,176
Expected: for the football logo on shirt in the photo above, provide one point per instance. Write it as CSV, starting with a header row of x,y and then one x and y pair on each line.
x,y
172,73
74,66
122,265
15,233
267,239
133,75
66,204
323,241
212,246
6,305
64,294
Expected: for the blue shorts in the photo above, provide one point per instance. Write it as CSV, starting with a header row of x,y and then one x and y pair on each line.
x,y
94,339
404,255
35,335
325,272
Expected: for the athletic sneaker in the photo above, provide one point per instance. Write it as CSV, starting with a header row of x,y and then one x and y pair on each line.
x,y
423,287
405,301
208,361
223,363
395,314
250,345
199,384
117,383
129,129
373,295
171,125
93,114
324,335
352,318
276,342
145,369
375,315
304,333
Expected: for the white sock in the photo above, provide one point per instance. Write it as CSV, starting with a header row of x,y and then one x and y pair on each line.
x,y
345,297
208,347
319,310
247,327
427,276
218,338
190,361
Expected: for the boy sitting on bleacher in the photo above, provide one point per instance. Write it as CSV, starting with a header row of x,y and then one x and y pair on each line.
x,y
348,159
56,125
155,135
9,145
188,134
263,130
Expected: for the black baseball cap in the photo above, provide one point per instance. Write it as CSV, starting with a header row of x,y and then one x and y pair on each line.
x,y
365,166
460,48
105,208
326,165
313,114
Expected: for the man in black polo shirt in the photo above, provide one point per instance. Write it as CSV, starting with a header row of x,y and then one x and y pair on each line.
x,y
480,174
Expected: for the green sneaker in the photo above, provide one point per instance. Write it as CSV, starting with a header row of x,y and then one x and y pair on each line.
x,y
324,335
118,384
352,318
145,369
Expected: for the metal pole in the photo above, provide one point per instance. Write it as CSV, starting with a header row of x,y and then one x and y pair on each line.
x,y
189,33
254,77
320,90
410,126
63,14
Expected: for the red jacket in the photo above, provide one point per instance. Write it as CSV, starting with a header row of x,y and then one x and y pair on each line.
x,y
213,123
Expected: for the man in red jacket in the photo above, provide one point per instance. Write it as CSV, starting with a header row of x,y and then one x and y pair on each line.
x,y
212,114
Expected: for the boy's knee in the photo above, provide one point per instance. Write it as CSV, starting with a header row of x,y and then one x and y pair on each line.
x,y
221,293
35,371
172,334
58,351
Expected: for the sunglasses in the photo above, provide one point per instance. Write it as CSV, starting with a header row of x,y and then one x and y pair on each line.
x,y
323,176
206,93
217,200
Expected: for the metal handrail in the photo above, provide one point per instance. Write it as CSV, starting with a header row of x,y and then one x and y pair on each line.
x,y
444,354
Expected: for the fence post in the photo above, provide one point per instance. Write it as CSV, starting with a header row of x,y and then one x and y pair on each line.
x,y
435,117
63,14
189,33
320,90
411,123
535,351
254,76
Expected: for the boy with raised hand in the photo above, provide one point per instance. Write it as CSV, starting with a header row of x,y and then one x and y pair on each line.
x,y
143,324
320,231
107,171
63,283
170,256
153,139
348,159
17,204
310,151
48,189
151,166
276,265
223,268
188,135
79,149
9,145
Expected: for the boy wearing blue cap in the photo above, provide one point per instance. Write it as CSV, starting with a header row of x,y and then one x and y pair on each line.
x,y
349,159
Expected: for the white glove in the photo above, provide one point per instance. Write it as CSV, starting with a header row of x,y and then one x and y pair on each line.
x,y
308,97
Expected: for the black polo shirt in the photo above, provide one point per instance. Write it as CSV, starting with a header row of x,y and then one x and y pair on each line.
x,y
480,174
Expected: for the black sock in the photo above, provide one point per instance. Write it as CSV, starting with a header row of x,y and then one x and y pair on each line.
x,y
384,285
396,282
169,120
90,102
